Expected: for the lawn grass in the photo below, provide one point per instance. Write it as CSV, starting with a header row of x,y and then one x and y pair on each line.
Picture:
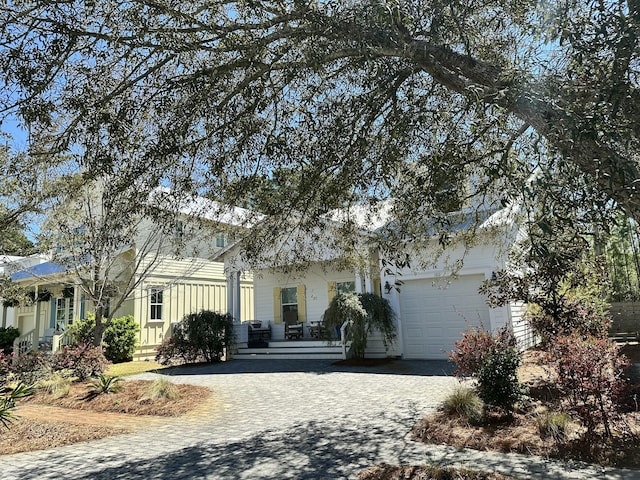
x,y
133,368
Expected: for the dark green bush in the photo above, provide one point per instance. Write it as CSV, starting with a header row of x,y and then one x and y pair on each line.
x,y
119,340
7,336
498,383
201,336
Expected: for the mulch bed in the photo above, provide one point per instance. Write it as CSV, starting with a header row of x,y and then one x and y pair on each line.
x,y
425,472
131,399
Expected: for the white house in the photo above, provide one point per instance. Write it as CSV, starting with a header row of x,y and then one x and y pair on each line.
x,y
434,302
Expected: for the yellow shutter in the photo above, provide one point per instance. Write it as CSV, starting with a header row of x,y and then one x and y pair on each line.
x,y
277,305
333,290
302,303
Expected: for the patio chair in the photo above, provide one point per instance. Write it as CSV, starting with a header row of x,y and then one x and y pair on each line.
x,y
292,329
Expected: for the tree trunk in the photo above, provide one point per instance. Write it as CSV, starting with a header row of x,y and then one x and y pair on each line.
x,y
101,326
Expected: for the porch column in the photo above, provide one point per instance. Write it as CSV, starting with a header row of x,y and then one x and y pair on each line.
x,y
368,286
36,313
76,302
392,294
237,312
4,316
358,281
230,296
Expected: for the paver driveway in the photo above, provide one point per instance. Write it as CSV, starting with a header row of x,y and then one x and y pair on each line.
x,y
279,420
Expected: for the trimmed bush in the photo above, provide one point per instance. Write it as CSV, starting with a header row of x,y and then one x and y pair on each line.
x,y
7,336
201,336
498,383
119,340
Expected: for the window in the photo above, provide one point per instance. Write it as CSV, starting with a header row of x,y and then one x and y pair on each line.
x,y
345,287
178,231
289,299
64,313
155,304
221,240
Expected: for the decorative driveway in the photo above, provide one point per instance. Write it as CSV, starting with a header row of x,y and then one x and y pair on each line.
x,y
282,419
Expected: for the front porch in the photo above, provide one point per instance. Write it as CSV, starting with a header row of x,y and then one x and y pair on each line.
x,y
268,341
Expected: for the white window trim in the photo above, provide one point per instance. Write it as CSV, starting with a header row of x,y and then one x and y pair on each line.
x,y
155,290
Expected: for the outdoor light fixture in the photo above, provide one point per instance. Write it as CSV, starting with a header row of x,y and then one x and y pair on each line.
x,y
387,287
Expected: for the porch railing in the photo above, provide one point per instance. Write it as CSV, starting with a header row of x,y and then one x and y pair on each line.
x,y
61,340
346,346
25,343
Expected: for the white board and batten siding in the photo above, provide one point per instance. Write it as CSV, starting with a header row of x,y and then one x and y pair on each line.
x,y
187,287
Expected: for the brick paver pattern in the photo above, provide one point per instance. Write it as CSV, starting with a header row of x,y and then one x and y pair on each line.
x,y
281,419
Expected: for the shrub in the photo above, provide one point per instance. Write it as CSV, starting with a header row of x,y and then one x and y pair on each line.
x,y
553,425
464,403
83,359
498,383
8,402
57,383
7,336
6,366
32,367
365,313
106,384
476,344
590,374
161,388
201,336
119,339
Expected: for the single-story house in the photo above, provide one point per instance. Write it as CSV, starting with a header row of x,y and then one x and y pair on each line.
x,y
434,302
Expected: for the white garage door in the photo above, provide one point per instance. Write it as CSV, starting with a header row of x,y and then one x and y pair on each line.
x,y
434,316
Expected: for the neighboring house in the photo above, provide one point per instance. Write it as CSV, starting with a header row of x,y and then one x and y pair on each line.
x,y
8,265
168,287
433,307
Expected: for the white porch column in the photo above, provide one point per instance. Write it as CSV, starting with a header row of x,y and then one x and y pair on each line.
x,y
36,315
237,311
392,294
76,302
358,281
230,295
368,284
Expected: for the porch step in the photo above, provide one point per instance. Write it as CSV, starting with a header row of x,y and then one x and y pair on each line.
x,y
292,349
287,356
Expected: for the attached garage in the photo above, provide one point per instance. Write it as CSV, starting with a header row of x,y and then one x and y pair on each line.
x,y
434,314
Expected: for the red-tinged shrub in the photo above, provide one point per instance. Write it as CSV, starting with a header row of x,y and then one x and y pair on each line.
x,y
6,364
83,359
476,344
590,373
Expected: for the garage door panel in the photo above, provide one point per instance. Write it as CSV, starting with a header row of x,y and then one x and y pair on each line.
x,y
434,318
